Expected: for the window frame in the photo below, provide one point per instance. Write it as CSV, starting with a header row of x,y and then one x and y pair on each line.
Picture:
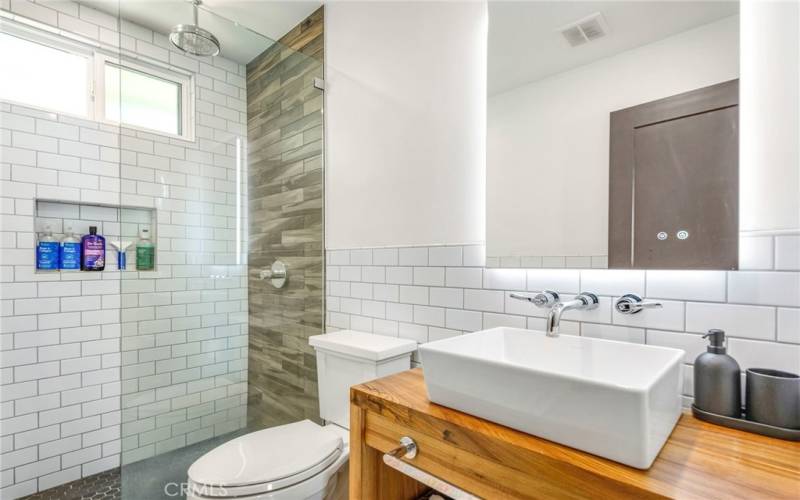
x,y
97,56
184,79
55,42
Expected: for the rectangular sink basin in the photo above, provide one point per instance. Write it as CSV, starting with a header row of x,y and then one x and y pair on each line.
x,y
614,399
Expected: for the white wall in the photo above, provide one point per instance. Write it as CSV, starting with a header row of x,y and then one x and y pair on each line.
x,y
547,149
770,116
102,368
405,131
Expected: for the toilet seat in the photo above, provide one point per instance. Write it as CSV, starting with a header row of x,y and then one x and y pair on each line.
x,y
265,461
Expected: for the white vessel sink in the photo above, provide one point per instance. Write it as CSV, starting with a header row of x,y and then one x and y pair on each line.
x,y
614,399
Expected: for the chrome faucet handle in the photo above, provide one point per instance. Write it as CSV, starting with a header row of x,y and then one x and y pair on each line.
x,y
630,303
545,298
590,300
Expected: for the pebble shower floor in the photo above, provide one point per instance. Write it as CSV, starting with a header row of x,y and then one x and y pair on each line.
x,y
104,486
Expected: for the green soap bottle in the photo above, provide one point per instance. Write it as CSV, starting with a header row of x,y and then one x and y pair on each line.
x,y
145,251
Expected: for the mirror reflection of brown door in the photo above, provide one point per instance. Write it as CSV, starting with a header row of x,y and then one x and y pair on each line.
x,y
674,182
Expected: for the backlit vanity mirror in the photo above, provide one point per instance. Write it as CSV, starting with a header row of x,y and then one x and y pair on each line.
x,y
613,135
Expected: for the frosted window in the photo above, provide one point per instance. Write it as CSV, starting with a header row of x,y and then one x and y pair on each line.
x,y
142,100
43,76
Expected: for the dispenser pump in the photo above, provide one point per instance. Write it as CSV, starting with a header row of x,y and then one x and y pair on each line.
x,y
717,379
716,341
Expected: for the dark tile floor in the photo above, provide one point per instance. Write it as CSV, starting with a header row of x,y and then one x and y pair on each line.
x,y
103,486
162,477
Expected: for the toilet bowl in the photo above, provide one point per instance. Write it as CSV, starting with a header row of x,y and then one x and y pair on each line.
x,y
302,460
292,461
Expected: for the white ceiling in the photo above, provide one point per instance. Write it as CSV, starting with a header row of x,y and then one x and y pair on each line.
x,y
226,20
525,44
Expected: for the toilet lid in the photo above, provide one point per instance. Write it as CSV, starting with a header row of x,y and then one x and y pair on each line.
x,y
268,459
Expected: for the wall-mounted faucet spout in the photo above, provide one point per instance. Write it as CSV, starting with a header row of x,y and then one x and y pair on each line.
x,y
584,301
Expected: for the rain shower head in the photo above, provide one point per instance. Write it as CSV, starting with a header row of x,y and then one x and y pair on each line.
x,y
193,39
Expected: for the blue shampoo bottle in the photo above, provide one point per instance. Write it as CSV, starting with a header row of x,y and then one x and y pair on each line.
x,y
70,259
47,251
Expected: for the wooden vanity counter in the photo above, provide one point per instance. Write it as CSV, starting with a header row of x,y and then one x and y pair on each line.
x,y
700,460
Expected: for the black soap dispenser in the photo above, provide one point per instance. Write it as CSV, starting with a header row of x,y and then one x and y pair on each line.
x,y
717,379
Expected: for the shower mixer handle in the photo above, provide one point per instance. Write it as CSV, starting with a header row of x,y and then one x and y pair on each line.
x,y
276,274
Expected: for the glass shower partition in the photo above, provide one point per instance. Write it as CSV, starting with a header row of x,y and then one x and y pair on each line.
x,y
209,349
61,153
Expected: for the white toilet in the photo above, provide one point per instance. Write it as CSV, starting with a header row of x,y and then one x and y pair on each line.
x,y
303,460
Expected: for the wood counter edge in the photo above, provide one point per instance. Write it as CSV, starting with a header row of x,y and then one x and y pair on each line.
x,y
699,460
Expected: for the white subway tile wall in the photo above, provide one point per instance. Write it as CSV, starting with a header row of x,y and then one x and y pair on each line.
x,y
99,369
759,309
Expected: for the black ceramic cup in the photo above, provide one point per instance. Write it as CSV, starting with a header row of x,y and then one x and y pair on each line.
x,y
772,397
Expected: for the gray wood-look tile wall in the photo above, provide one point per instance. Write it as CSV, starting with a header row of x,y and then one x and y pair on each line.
x,y
285,179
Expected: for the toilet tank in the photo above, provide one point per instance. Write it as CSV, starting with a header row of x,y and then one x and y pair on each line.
x,y
348,358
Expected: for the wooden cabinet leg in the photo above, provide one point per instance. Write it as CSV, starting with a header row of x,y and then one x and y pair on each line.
x,y
363,459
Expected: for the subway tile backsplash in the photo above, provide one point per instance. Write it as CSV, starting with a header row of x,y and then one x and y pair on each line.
x,y
789,325
767,288
787,252
431,293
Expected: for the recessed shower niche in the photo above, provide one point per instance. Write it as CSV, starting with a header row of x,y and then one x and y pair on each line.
x,y
119,225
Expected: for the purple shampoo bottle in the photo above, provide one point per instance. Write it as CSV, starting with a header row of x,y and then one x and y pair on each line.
x,y
93,251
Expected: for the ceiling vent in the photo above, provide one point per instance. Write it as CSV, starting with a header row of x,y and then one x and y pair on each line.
x,y
588,29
